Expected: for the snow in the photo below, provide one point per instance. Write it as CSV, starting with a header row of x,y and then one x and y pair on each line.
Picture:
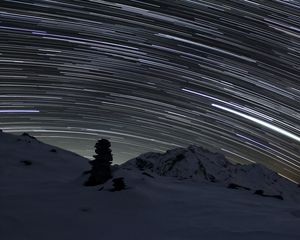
x,y
46,200
47,163
200,164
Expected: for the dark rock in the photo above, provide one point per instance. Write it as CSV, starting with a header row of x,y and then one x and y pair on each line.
x,y
118,184
236,186
147,174
27,135
261,193
26,162
142,164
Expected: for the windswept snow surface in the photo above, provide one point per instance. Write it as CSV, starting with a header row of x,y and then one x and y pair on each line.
x,y
45,200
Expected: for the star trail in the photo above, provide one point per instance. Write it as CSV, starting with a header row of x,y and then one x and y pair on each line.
x,y
154,75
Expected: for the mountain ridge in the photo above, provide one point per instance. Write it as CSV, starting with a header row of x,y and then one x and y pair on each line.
x,y
200,164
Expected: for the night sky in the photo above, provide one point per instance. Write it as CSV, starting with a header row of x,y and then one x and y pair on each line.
x,y
154,75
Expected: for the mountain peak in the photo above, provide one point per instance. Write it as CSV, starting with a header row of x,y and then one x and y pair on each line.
x,y
192,162
199,164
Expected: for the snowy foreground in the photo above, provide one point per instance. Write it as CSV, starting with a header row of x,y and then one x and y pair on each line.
x,y
182,194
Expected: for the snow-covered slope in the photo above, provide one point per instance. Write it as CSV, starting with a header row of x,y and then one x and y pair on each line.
x,y
200,164
25,160
42,197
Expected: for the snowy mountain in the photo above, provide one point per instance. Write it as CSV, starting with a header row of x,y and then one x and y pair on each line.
x,y
199,164
181,194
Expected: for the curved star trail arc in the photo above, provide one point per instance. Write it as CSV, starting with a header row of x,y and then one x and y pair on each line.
x,y
153,75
